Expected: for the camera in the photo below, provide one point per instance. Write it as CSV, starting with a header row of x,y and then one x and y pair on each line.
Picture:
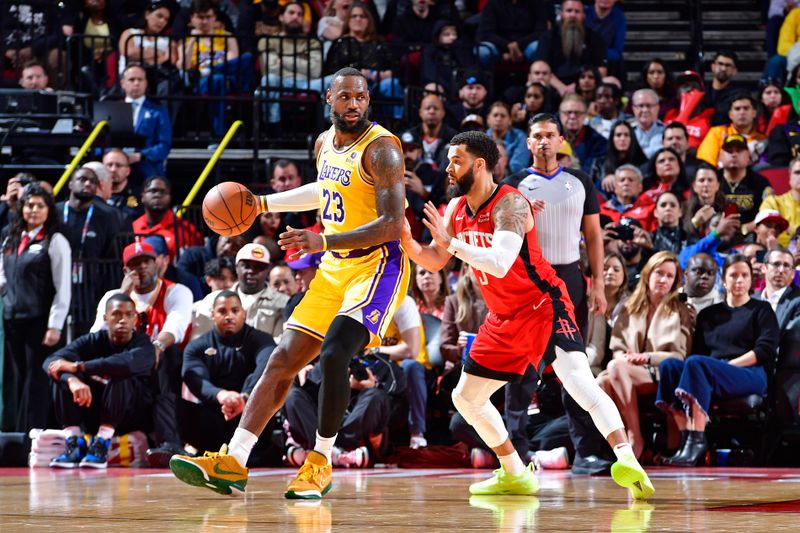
x,y
624,233
358,368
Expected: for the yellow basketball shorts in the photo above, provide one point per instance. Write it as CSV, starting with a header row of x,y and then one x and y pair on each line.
x,y
366,285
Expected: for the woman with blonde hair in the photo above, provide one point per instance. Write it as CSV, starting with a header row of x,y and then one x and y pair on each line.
x,y
653,326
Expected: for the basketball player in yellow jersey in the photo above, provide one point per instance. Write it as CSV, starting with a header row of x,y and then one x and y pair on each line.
x,y
363,277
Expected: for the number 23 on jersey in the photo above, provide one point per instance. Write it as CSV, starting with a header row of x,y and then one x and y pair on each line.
x,y
333,206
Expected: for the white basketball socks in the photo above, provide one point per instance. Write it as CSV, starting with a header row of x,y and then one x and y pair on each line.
x,y
324,445
241,445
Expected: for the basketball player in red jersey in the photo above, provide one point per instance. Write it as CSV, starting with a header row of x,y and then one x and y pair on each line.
x,y
491,228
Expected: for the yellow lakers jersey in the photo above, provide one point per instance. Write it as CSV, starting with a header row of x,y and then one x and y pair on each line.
x,y
347,192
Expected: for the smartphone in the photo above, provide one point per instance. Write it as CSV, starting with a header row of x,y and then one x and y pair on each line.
x,y
760,256
731,209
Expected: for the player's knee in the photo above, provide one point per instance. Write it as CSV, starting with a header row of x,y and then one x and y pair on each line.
x,y
466,406
333,356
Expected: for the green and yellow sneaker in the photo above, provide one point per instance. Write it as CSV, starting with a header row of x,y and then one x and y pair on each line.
x,y
503,483
628,473
219,472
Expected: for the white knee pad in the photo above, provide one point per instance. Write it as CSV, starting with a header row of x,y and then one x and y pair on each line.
x,y
572,368
471,398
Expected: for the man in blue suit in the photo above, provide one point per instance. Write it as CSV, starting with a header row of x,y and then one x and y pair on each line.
x,y
150,121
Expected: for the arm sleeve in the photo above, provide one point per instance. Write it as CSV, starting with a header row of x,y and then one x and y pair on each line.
x,y
195,373
136,360
303,198
178,305
60,264
497,260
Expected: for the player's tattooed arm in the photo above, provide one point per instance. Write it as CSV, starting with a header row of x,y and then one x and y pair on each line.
x,y
383,163
513,213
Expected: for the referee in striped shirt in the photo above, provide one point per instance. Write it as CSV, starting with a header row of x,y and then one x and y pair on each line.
x,y
570,207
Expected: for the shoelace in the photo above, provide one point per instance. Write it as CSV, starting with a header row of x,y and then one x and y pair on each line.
x,y
309,471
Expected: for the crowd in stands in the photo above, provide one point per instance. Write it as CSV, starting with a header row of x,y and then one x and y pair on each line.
x,y
121,314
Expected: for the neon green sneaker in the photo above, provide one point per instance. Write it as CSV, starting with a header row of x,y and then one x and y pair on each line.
x,y
502,483
219,472
628,473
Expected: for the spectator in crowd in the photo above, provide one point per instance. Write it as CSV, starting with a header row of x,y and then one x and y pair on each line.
x,y
788,203
165,312
733,347
648,129
705,200
220,370
724,228
607,102
281,279
742,115
220,273
429,290
464,312
151,121
783,142
788,36
195,259
755,253
665,173
103,376
35,279
701,276
740,184
8,201
169,271
657,76
631,244
158,218
533,102
329,27
784,298
123,196
653,325
415,25
31,30
213,53
598,336
292,59
773,105
768,225
587,83
103,182
608,20
622,149
669,235
539,72
471,100
445,55
34,77
510,30
362,47
501,170
424,182
677,137
263,305
691,110
433,132
96,50
286,176
723,71
626,201
500,128
150,46
586,143
569,45
304,269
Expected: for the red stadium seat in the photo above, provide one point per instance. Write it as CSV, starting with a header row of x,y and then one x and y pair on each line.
x,y
778,178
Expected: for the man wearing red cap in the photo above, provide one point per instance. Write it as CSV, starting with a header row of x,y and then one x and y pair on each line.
x,y
165,311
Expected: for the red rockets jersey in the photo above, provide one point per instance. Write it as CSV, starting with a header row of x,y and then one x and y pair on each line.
x,y
531,280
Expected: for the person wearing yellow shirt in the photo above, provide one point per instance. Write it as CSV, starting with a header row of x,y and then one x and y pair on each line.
x,y
788,203
789,35
742,114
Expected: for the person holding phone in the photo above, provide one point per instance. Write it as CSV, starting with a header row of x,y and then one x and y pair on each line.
x,y
633,243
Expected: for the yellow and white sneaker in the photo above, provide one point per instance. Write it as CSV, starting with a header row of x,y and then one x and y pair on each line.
x,y
217,471
313,480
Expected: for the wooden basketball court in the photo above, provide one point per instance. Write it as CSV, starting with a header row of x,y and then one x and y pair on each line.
x,y
395,500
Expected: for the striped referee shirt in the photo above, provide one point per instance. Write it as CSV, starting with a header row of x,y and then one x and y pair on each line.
x,y
568,195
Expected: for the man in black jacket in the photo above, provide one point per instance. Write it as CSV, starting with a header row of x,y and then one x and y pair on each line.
x,y
220,369
106,373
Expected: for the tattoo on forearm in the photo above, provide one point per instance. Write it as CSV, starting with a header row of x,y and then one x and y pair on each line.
x,y
511,214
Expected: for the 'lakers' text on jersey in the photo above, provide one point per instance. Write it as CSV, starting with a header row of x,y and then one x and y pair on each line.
x,y
347,191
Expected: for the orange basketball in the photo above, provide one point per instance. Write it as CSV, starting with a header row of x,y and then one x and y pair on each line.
x,y
230,208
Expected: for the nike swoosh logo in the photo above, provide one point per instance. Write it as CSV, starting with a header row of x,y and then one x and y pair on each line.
x,y
459,217
537,306
218,470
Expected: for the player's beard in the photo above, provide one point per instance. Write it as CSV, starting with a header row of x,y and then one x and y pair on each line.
x,y
572,38
342,126
462,185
